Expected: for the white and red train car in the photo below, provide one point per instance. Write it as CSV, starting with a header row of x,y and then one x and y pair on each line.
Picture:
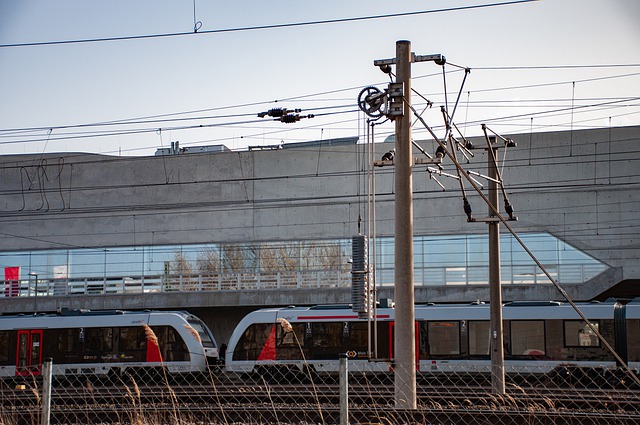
x,y
539,338
82,342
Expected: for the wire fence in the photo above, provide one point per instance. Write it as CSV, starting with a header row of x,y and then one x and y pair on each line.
x,y
345,391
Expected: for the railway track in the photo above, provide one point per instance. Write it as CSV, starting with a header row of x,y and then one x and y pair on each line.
x,y
243,403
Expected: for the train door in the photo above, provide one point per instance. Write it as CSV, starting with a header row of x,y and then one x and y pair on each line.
x,y
29,352
392,338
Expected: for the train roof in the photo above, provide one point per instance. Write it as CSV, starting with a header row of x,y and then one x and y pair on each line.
x,y
633,309
86,318
320,307
515,310
71,312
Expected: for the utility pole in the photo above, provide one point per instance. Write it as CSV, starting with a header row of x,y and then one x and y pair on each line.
x,y
495,284
395,103
405,349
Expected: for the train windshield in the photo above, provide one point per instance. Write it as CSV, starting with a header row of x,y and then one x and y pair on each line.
x,y
203,331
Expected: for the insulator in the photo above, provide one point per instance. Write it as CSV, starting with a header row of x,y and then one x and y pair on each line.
x,y
508,208
289,119
389,155
277,112
467,208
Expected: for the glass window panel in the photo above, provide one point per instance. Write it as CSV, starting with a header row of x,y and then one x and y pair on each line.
x,y
506,246
527,338
478,275
477,251
506,274
290,345
252,341
43,262
418,252
204,336
445,251
385,253
86,263
569,254
456,276
4,348
479,338
131,338
591,270
124,262
358,340
68,340
434,276
418,276
541,277
423,340
444,338
385,276
432,255
271,256
578,334
325,335
208,260
17,259
172,346
524,274
543,246
158,255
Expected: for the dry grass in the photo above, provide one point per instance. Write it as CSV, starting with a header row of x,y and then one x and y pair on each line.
x,y
524,403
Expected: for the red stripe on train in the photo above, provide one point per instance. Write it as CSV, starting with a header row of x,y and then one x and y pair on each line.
x,y
269,349
380,316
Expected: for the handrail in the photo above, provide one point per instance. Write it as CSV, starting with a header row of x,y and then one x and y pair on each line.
x,y
175,283
284,279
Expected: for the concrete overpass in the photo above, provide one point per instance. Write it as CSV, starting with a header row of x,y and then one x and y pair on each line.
x,y
581,187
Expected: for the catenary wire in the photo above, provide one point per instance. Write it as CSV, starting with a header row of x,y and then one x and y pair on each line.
x,y
267,27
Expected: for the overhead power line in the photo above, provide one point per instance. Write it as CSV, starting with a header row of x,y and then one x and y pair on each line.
x,y
266,27
526,68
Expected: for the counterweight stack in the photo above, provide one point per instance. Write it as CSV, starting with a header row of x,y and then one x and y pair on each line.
x,y
360,293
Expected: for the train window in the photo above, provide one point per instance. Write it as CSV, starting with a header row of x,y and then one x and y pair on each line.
x,y
326,339
4,347
290,345
132,338
423,342
527,338
479,338
172,346
358,340
444,338
132,343
578,334
68,349
252,341
205,338
98,339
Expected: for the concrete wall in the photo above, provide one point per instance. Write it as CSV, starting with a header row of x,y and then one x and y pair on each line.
x,y
582,186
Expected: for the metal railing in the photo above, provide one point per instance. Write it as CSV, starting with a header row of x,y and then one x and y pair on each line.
x,y
176,283
427,276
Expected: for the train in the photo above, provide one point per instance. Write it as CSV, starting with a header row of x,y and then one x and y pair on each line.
x,y
105,343
540,338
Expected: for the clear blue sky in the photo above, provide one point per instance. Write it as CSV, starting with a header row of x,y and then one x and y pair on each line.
x,y
323,66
